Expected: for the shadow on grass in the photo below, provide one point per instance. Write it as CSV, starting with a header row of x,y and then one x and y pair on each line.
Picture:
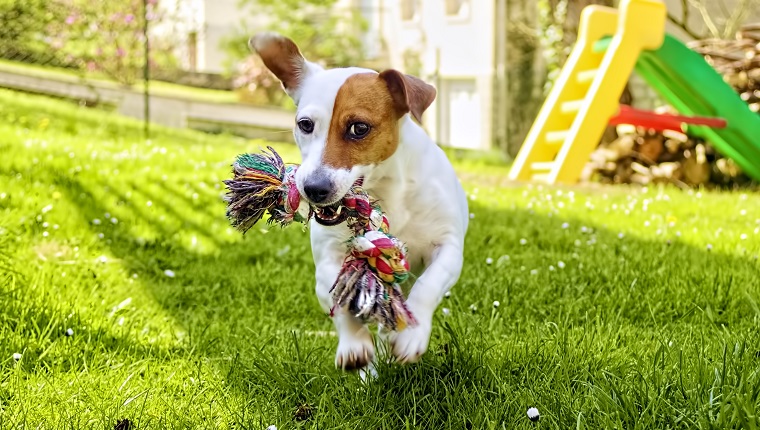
x,y
590,343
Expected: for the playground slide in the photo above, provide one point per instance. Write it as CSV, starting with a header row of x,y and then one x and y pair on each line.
x,y
685,80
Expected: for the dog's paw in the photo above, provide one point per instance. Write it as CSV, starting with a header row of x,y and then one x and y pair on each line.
x,y
410,344
356,351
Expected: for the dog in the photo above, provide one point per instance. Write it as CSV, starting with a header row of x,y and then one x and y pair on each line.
x,y
356,123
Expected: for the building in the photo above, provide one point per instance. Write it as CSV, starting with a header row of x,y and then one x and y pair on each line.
x,y
475,52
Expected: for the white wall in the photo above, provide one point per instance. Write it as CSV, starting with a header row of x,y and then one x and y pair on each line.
x,y
456,53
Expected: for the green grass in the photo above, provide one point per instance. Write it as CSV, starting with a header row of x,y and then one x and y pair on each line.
x,y
641,326
158,88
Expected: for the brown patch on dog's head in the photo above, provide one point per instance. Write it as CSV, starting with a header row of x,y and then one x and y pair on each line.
x,y
375,103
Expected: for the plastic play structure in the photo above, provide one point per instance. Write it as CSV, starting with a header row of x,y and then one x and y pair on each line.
x,y
611,44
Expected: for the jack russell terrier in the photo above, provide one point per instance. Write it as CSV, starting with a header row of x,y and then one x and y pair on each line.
x,y
354,122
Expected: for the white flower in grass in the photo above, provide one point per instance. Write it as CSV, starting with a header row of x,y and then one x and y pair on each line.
x,y
446,312
447,294
489,261
272,427
584,229
107,215
45,224
709,247
503,259
101,235
16,356
149,203
533,414
743,236
565,226
621,235
523,241
534,272
646,223
496,304
47,209
472,216
102,259
96,221
169,273
678,234
55,226
743,212
473,308
561,264
69,332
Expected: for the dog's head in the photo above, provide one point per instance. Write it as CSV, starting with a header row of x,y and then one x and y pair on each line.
x,y
347,119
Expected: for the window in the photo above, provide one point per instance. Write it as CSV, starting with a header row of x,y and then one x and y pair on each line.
x,y
458,8
410,9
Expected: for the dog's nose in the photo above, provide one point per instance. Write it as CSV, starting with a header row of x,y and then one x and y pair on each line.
x,y
317,189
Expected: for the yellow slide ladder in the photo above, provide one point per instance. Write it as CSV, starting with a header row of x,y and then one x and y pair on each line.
x,y
585,96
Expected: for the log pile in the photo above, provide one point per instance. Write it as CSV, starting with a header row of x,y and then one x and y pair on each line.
x,y
737,60
640,156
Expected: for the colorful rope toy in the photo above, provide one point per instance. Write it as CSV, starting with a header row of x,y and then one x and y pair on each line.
x,y
368,285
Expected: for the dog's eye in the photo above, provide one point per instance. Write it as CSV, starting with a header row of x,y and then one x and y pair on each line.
x,y
306,125
358,130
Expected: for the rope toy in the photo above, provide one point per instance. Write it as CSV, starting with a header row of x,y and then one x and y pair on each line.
x,y
368,285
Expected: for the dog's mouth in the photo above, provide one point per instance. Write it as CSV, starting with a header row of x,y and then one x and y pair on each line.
x,y
330,215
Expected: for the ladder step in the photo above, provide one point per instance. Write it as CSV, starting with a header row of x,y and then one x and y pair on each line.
x,y
586,76
542,166
572,106
541,177
556,136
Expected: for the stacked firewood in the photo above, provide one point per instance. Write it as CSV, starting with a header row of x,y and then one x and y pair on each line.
x,y
640,156
738,61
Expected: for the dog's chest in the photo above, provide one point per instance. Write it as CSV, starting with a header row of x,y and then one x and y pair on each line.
x,y
413,224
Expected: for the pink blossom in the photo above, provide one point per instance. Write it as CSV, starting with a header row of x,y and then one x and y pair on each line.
x,y
129,18
70,19
91,66
120,52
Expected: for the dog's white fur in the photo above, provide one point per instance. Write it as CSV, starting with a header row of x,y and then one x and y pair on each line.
x,y
423,200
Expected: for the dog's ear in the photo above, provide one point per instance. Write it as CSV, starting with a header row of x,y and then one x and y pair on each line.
x,y
283,58
410,94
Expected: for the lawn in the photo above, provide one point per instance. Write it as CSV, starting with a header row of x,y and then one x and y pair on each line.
x,y
618,307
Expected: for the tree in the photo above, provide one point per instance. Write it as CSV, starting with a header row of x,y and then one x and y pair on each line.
x,y
22,32
718,19
106,37
324,35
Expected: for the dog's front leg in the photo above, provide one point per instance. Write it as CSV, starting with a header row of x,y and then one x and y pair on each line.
x,y
355,346
440,275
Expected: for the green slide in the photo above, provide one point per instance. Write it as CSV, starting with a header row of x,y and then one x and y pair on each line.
x,y
685,80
